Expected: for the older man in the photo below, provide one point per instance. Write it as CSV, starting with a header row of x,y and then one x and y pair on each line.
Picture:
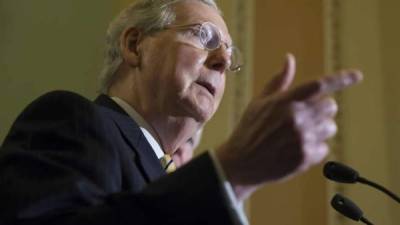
x,y
67,160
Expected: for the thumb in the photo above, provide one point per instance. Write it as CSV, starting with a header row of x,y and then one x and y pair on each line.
x,y
283,80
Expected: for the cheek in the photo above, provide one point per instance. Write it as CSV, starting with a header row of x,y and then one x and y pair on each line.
x,y
221,90
189,62
190,59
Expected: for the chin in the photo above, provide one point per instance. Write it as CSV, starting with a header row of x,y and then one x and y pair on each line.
x,y
203,116
200,112
204,110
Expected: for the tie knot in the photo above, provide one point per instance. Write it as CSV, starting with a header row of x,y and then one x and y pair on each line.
x,y
167,163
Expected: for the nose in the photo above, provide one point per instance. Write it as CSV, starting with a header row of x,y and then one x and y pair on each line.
x,y
218,59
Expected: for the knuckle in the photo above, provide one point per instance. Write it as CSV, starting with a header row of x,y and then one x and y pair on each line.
x,y
322,152
332,105
332,127
296,106
328,130
316,152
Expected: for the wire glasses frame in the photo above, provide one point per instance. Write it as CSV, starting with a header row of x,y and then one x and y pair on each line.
x,y
210,38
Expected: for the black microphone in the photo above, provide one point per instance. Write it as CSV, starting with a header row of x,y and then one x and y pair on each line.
x,y
348,209
340,173
344,174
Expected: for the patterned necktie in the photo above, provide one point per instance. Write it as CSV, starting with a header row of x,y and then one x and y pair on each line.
x,y
168,164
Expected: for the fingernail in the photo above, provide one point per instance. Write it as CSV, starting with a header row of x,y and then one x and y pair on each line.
x,y
355,74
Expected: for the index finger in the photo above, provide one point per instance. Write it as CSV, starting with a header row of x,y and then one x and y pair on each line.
x,y
325,86
331,84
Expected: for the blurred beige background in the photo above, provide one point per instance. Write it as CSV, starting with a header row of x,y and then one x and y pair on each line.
x,y
47,45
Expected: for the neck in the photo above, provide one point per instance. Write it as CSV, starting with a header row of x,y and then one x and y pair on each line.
x,y
171,132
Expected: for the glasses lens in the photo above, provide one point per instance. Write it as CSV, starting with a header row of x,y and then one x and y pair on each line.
x,y
209,35
211,40
236,60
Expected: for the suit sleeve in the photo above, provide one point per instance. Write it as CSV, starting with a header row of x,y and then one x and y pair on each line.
x,y
58,166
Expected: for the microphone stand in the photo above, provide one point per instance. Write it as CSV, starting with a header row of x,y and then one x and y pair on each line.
x,y
344,174
379,187
364,220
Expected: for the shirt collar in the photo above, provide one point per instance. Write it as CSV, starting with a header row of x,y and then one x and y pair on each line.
x,y
148,132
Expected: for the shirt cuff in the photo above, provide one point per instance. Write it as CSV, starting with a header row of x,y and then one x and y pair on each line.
x,y
235,206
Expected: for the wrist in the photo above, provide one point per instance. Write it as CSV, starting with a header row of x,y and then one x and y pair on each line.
x,y
232,171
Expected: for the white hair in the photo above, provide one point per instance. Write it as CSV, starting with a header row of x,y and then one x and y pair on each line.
x,y
146,15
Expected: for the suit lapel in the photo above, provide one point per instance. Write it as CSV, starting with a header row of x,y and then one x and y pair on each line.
x,y
135,138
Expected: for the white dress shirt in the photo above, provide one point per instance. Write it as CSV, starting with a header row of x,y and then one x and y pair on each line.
x,y
236,207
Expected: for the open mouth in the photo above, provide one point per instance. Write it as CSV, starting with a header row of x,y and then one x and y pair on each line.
x,y
207,86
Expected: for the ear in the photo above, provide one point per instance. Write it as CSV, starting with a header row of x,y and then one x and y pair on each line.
x,y
129,42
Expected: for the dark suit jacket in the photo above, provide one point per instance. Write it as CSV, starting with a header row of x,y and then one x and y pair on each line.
x,y
67,160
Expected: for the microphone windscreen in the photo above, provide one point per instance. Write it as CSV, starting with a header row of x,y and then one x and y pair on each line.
x,y
346,207
340,173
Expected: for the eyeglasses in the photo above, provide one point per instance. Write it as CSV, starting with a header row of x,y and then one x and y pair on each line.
x,y
208,37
